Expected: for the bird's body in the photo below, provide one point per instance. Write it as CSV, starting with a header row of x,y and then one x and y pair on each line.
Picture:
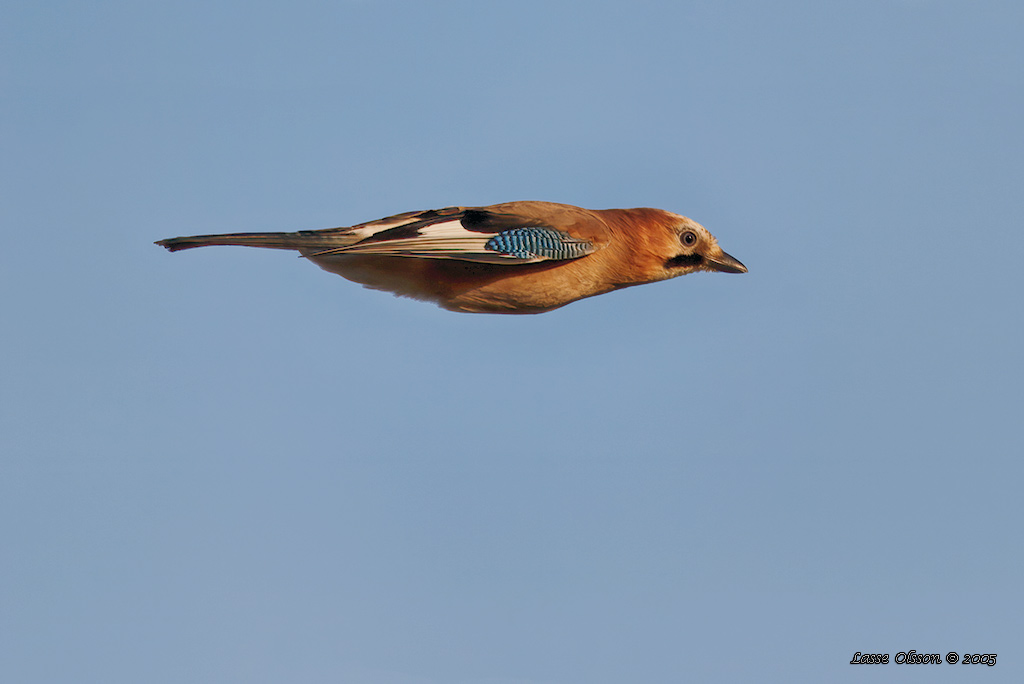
x,y
517,257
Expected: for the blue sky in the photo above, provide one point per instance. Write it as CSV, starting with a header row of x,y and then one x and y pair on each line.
x,y
228,465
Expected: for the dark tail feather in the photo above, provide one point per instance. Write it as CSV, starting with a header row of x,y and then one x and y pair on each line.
x,y
301,240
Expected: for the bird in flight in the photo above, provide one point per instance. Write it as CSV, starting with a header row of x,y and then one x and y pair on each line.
x,y
513,258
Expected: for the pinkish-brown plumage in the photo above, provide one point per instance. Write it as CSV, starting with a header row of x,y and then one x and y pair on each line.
x,y
516,257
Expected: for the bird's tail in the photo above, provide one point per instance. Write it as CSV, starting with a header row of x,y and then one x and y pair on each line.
x,y
301,240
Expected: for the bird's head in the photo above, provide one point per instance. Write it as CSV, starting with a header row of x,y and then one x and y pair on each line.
x,y
688,247
659,245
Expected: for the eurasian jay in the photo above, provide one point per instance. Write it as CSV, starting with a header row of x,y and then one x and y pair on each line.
x,y
517,257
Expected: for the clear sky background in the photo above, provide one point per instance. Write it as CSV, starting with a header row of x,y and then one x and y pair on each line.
x,y
229,466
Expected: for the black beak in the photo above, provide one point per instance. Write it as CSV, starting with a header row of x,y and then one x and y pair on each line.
x,y
725,263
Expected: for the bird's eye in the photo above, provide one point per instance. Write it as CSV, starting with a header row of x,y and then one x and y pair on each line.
x,y
689,238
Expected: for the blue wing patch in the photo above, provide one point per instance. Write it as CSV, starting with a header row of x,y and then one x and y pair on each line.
x,y
539,243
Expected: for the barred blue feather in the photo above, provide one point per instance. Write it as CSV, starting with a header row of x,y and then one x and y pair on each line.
x,y
533,243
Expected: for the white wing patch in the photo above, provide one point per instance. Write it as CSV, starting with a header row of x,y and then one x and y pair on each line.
x,y
361,232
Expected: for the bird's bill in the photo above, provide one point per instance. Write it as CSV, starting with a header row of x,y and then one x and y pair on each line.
x,y
725,263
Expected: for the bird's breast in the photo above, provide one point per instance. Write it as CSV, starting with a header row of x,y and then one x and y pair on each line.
x,y
468,286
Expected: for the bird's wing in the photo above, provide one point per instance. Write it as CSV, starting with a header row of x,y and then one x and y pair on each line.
x,y
512,233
